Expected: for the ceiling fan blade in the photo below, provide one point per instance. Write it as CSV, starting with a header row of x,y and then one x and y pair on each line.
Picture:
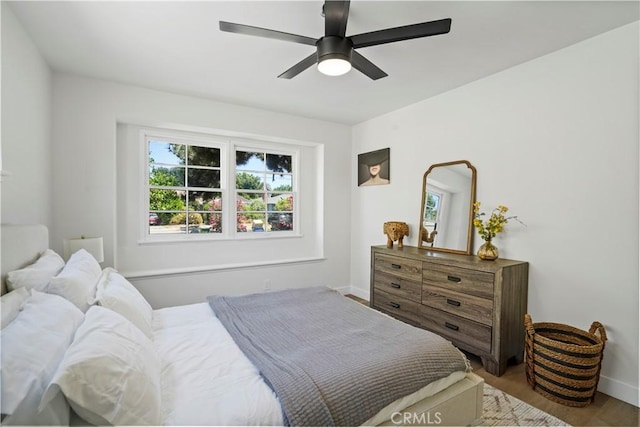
x,y
366,67
336,14
406,32
300,67
264,32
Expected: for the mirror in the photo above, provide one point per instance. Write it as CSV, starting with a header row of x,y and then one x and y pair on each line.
x,y
446,215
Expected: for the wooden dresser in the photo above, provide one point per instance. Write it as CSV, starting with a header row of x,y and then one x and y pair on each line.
x,y
478,305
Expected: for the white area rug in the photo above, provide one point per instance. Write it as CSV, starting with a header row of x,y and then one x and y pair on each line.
x,y
502,409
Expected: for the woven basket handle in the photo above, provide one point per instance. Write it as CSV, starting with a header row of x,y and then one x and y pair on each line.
x,y
528,324
597,326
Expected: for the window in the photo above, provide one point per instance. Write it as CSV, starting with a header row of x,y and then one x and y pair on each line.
x,y
185,187
264,191
188,198
432,211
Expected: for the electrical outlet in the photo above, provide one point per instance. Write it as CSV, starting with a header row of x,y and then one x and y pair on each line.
x,y
267,284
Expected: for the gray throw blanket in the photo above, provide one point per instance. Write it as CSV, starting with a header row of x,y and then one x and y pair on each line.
x,y
331,360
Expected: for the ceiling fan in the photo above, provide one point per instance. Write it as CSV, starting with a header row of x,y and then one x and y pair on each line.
x,y
335,52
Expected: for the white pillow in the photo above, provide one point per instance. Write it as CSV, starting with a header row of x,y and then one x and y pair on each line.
x,y
33,345
78,280
37,275
11,304
111,373
116,293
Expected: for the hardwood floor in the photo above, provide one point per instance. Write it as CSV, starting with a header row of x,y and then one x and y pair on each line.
x,y
605,411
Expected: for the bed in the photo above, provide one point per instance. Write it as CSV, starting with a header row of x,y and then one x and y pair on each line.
x,y
204,376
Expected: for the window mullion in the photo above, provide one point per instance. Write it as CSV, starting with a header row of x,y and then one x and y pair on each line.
x,y
187,186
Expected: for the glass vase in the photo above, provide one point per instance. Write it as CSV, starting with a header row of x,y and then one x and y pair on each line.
x,y
488,251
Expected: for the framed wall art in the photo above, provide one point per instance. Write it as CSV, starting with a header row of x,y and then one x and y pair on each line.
x,y
373,168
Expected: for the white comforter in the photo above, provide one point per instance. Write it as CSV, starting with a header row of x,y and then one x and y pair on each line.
x,y
203,368
207,380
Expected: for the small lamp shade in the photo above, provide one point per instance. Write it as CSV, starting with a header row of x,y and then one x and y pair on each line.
x,y
93,245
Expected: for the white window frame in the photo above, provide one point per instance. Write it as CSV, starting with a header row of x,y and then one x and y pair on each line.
x,y
228,146
442,209
269,148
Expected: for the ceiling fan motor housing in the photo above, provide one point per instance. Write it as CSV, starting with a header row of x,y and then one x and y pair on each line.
x,y
334,47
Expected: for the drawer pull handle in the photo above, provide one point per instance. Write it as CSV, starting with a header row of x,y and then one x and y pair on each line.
x,y
451,326
396,266
395,285
454,279
394,305
453,302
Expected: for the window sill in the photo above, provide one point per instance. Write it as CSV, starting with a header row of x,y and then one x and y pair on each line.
x,y
192,270
239,237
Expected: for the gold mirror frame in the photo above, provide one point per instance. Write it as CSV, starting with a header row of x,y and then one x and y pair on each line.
x,y
427,239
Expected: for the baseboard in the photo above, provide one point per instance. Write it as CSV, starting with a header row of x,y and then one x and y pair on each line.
x,y
359,293
619,390
344,290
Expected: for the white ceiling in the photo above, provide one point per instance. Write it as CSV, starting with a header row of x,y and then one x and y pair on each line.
x,y
178,47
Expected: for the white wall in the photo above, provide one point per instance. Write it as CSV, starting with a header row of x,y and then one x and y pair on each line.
x,y
85,117
26,127
556,140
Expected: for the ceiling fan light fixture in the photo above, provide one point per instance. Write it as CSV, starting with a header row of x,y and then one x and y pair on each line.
x,y
335,52
334,55
334,66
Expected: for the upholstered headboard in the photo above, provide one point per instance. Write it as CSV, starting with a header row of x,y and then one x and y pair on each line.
x,y
20,246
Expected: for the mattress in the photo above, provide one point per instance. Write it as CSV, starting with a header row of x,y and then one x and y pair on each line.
x,y
203,368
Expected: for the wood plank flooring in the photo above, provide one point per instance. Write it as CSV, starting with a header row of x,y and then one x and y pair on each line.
x,y
605,411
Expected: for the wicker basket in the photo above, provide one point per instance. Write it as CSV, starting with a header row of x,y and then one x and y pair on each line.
x,y
562,362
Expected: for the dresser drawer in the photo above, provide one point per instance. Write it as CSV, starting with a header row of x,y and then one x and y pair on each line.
x,y
404,268
398,286
464,305
459,279
396,306
461,331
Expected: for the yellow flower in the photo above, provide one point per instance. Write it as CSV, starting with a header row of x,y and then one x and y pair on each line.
x,y
494,224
